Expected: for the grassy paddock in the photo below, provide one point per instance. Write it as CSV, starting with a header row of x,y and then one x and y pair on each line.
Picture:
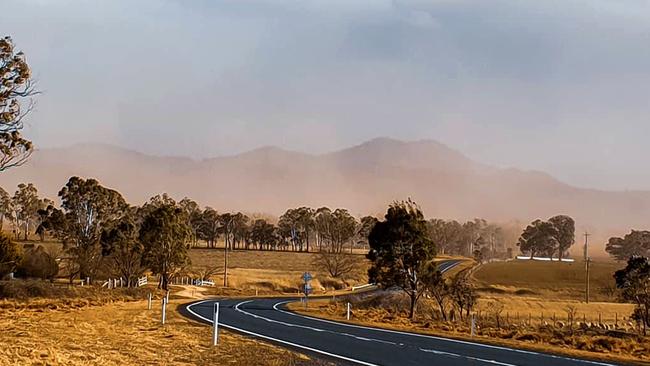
x,y
552,280
126,333
273,271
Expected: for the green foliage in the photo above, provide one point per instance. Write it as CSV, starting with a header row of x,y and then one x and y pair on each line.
x,y
164,232
209,228
401,250
547,238
634,282
264,235
15,87
636,243
10,255
89,209
123,249
295,225
335,229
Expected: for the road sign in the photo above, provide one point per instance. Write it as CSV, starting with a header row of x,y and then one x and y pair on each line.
x,y
306,277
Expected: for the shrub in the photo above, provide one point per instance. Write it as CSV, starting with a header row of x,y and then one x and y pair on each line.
x,y
37,263
10,255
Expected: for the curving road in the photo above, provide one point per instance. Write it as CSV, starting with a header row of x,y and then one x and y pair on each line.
x,y
352,344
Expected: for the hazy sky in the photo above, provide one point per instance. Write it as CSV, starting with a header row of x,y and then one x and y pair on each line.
x,y
560,86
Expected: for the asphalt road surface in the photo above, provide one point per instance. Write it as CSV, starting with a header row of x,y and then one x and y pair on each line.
x,y
267,319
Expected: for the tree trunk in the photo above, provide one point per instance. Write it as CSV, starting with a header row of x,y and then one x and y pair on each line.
x,y
413,304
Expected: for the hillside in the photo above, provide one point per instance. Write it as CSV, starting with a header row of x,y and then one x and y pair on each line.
x,y
363,178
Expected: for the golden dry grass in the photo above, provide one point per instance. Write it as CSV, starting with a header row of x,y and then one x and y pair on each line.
x,y
124,333
594,345
273,272
548,279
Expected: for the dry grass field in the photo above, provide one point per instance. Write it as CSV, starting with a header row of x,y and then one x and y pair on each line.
x,y
549,279
76,332
594,344
273,272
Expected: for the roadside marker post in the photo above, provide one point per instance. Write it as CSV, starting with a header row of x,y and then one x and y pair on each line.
x,y
347,316
215,322
164,304
473,326
149,302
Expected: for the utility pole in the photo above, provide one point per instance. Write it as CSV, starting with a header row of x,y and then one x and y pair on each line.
x,y
587,260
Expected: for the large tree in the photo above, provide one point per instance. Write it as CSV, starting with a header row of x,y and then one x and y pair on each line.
x,y
295,225
16,89
6,207
401,251
210,227
122,247
634,281
636,243
264,234
26,205
89,210
193,213
163,233
539,238
565,233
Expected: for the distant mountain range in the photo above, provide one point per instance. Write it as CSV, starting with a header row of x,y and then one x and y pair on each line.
x,y
363,178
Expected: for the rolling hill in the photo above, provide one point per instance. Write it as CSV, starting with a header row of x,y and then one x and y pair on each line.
x,y
363,178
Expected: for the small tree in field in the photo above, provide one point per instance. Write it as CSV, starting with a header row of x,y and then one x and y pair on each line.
x,y
401,251
634,282
463,295
164,232
439,289
336,264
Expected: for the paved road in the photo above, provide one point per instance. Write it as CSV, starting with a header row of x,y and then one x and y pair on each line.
x,y
351,344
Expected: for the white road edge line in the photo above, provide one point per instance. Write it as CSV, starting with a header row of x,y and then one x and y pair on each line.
x,y
278,340
275,307
442,353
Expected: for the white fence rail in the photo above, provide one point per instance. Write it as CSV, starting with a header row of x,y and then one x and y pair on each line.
x,y
354,288
142,281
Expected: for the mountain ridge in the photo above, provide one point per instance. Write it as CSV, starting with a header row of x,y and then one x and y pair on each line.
x,y
363,178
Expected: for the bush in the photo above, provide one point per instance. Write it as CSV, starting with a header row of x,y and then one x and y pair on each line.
x,y
10,255
37,263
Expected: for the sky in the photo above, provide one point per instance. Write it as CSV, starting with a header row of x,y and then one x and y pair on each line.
x,y
558,86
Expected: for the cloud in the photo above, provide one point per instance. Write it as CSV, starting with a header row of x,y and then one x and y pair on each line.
x,y
553,85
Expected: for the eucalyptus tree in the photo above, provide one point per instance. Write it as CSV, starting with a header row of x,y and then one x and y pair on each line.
x,y
636,243
210,227
16,90
163,234
401,251
89,209
122,248
6,207
264,235
193,212
297,224
25,205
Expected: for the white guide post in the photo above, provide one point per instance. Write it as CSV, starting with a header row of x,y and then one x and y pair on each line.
x,y
347,316
149,303
473,325
215,322
164,305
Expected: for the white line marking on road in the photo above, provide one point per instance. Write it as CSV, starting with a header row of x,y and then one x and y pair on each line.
x,y
279,340
237,308
455,355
